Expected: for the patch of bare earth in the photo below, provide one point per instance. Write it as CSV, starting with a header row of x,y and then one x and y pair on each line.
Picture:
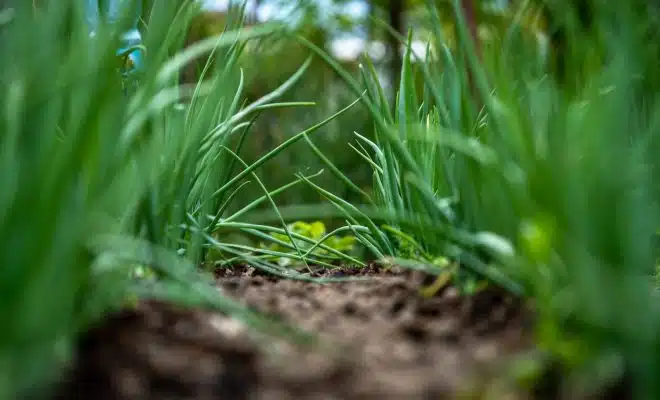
x,y
382,340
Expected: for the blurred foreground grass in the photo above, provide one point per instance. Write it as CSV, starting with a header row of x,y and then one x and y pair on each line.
x,y
97,182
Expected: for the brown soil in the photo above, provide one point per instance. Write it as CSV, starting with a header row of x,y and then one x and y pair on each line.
x,y
385,340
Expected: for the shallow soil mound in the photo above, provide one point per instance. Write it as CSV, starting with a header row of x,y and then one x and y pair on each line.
x,y
382,340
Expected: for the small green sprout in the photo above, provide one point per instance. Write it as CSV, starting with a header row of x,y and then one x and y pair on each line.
x,y
316,231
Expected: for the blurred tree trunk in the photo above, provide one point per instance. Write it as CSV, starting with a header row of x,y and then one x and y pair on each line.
x,y
471,19
395,13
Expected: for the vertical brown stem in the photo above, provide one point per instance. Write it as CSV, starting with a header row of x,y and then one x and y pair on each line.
x,y
472,23
395,16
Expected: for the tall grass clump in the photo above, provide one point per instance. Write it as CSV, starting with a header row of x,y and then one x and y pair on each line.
x,y
543,186
102,181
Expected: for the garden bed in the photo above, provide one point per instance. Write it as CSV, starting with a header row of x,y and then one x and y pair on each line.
x,y
381,339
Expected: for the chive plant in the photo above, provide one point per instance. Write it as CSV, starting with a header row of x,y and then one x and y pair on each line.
x,y
99,184
546,191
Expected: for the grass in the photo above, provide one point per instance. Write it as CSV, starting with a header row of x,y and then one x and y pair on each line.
x,y
99,183
496,156
494,173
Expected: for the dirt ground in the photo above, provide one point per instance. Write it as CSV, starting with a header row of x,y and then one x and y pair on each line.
x,y
382,341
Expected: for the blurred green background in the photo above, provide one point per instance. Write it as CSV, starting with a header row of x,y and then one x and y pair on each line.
x,y
347,30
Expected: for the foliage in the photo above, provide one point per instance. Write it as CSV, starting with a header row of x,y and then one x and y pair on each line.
x,y
105,188
544,190
316,232
485,169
